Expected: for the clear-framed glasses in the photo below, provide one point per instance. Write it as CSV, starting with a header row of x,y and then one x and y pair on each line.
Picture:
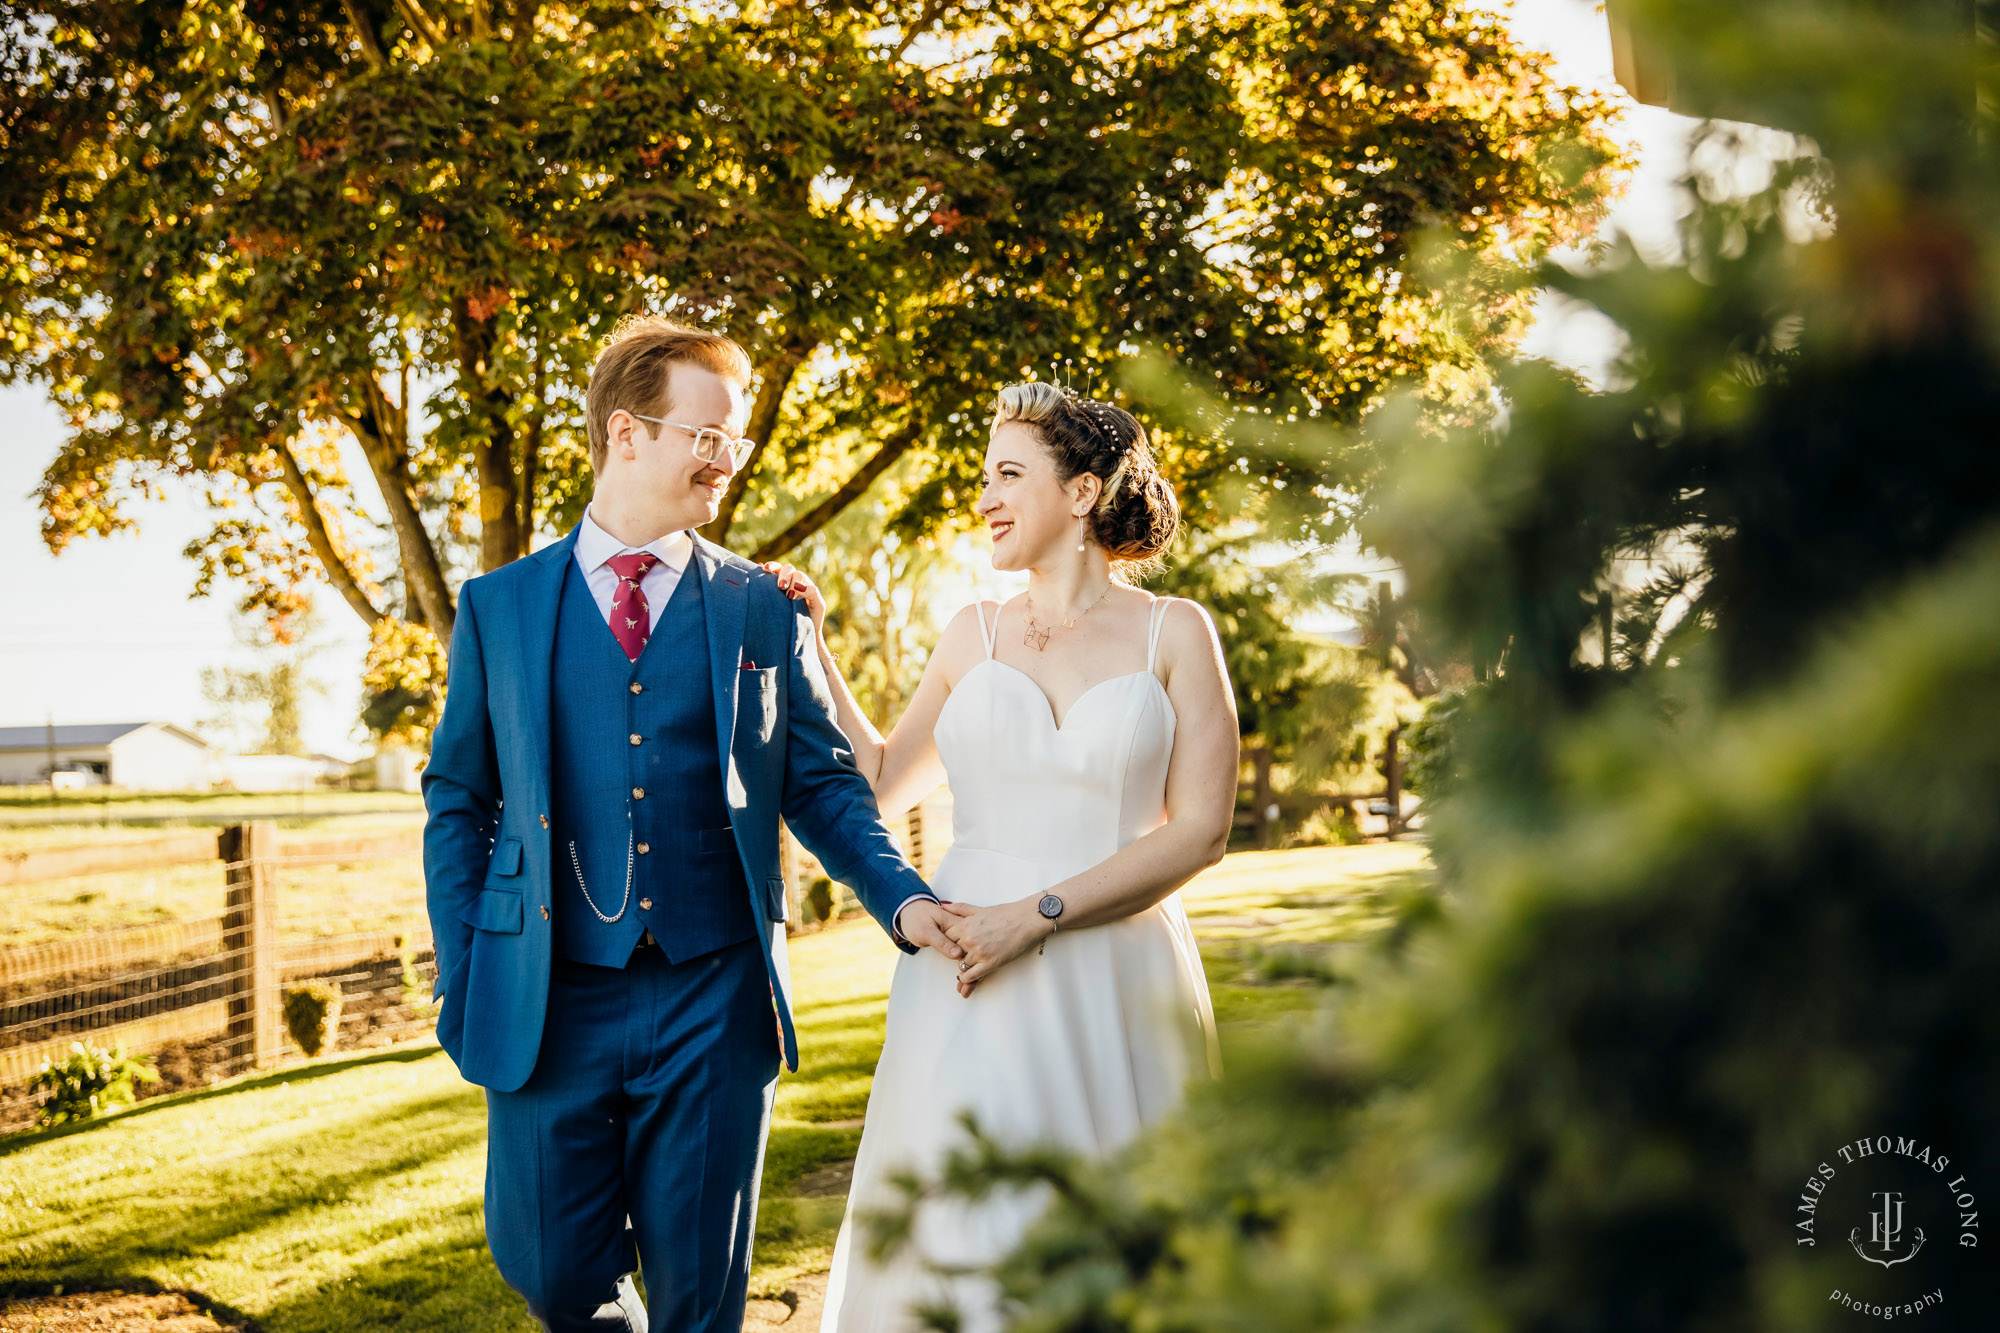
x,y
709,443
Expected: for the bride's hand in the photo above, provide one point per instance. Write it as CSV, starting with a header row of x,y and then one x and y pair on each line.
x,y
795,583
992,937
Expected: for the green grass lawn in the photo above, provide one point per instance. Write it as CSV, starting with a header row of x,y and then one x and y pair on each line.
x,y
346,1195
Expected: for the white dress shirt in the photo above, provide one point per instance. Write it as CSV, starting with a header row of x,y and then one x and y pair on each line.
x,y
595,546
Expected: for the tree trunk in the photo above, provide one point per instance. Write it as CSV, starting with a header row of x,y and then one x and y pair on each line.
x,y
1262,802
380,427
531,455
499,514
1392,774
851,490
365,35
774,378
337,573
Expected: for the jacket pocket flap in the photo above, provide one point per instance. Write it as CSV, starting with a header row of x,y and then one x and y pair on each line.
x,y
497,910
775,895
506,858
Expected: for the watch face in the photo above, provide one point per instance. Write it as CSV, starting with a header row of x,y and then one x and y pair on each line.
x,y
1051,906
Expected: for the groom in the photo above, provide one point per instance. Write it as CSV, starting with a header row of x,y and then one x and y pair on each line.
x,y
631,710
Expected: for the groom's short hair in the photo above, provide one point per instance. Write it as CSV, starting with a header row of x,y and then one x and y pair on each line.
x,y
631,372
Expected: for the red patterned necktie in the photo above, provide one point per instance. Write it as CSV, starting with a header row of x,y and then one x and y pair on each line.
x,y
631,619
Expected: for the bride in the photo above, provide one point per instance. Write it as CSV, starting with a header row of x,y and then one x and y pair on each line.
x,y
1088,732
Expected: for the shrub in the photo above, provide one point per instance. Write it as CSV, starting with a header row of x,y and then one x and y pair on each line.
x,y
415,995
1716,908
819,899
1332,825
312,1015
91,1082
1429,741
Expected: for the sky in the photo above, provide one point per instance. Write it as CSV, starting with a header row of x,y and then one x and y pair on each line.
x,y
107,631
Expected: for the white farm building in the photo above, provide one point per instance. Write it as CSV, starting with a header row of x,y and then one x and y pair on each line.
x,y
139,756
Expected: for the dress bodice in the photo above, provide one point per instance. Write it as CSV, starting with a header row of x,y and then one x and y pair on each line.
x,y
1066,796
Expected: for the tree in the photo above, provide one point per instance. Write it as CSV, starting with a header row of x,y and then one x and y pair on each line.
x,y
1719,902
879,588
261,707
246,240
1301,699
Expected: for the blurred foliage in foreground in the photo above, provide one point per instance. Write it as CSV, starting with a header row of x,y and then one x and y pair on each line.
x,y
1721,904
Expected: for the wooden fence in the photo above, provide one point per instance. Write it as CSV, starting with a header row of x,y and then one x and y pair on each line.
x,y
214,981
219,980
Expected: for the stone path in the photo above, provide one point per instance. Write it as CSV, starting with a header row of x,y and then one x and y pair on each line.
x,y
769,1316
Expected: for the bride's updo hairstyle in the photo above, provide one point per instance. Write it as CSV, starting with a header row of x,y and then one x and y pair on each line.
x,y
1136,514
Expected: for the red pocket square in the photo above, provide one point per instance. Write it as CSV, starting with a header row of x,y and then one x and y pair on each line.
x,y
749,665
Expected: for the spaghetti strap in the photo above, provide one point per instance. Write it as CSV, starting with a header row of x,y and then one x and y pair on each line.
x,y
1153,635
979,609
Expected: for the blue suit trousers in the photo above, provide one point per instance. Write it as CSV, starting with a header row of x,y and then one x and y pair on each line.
x,y
651,1099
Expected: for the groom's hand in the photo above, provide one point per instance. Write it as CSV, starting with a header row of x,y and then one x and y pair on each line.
x,y
923,924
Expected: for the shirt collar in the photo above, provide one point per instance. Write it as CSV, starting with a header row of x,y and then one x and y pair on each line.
x,y
594,546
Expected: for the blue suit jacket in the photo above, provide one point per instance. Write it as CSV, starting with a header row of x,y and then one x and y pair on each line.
x,y
486,843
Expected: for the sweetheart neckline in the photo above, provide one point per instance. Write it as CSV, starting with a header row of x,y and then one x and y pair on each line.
x,y
1048,706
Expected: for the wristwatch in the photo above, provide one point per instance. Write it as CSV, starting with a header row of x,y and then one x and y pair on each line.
x,y
1050,907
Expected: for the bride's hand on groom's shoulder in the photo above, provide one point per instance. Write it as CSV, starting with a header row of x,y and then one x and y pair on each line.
x,y
795,583
993,936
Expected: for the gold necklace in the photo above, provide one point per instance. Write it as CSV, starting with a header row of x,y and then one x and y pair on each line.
x,y
1038,638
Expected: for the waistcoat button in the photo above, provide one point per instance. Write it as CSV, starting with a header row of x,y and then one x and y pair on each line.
x,y
645,904
645,847
545,821
636,738
637,688
545,914
638,793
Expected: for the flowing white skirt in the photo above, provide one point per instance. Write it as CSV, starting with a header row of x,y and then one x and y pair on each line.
x,y
1080,1047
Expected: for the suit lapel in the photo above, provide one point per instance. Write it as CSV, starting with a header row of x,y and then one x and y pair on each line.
x,y
537,595
725,599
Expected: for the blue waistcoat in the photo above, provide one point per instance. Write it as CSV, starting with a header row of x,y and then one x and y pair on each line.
x,y
636,778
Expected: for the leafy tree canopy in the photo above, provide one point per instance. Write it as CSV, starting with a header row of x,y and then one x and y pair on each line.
x,y
244,241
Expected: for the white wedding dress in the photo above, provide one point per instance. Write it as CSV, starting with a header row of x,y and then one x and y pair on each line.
x,y
1079,1046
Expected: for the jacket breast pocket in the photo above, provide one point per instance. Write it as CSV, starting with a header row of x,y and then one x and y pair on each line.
x,y
757,703
495,910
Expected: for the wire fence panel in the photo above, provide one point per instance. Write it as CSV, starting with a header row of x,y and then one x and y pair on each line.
x,y
204,996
